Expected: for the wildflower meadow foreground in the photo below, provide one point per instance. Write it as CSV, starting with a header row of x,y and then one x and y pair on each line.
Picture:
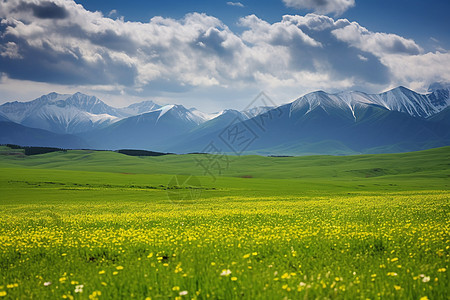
x,y
70,234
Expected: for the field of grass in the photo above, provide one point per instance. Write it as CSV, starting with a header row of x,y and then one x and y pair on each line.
x,y
102,225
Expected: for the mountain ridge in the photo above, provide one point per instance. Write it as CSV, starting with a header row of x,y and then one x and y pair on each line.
x,y
351,121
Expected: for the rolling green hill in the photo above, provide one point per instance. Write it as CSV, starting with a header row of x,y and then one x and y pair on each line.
x,y
415,170
432,162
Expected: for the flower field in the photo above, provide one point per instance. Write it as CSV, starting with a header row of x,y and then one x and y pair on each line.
x,y
61,239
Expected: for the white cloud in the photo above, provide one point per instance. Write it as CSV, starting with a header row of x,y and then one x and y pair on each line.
x,y
283,33
362,57
418,71
322,6
239,4
199,56
377,43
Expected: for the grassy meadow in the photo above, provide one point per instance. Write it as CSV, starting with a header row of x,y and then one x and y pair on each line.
x,y
102,225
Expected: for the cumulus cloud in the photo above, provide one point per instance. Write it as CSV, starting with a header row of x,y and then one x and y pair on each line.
x,y
61,42
376,42
306,45
283,33
322,6
418,71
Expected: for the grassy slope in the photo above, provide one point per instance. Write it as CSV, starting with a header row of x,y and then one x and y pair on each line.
x,y
425,162
115,174
417,170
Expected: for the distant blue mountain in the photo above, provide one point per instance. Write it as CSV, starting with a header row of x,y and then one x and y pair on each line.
x,y
317,123
152,130
343,123
12,133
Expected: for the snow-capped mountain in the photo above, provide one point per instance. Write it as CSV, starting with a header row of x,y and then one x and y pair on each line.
x,y
316,123
18,111
204,116
399,99
244,115
75,113
181,113
140,108
417,105
92,105
322,123
62,113
154,129
231,113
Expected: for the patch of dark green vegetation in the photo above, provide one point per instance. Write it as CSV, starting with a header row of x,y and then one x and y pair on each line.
x,y
132,152
31,150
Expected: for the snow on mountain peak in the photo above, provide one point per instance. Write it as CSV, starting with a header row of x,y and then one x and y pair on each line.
x,y
141,108
323,100
175,111
399,99
202,115
62,113
75,113
163,110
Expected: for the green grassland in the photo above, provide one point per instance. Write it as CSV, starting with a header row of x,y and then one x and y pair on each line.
x,y
102,225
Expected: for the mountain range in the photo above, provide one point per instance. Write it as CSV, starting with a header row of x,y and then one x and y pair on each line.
x,y
317,123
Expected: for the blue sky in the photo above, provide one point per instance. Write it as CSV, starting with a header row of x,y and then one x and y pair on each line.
x,y
219,54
